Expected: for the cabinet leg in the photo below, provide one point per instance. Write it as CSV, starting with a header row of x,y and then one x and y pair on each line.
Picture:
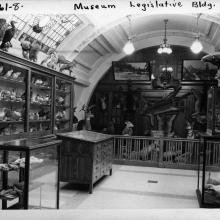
x,y
90,188
110,173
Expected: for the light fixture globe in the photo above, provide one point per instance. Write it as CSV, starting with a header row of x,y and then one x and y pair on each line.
x,y
129,48
160,50
196,46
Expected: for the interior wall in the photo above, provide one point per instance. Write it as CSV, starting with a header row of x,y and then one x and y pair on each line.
x,y
111,88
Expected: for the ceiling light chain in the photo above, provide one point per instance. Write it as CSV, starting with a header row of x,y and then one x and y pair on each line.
x,y
129,47
196,46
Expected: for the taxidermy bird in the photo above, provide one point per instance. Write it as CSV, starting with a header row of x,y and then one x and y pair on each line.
x,y
34,49
9,34
53,60
3,27
25,45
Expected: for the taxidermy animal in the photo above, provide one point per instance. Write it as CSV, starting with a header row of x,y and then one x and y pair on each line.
x,y
2,114
9,34
8,73
1,69
34,49
15,75
68,66
53,60
190,133
88,115
3,27
103,103
15,115
25,45
216,188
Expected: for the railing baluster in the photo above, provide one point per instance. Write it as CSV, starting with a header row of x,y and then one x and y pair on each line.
x,y
173,151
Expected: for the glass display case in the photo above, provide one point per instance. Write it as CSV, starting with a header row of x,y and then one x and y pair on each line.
x,y
63,105
30,174
13,98
34,100
40,115
208,185
213,111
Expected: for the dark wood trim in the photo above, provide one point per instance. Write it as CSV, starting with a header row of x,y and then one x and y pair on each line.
x,y
23,62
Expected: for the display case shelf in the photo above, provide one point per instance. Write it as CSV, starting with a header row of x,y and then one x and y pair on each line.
x,y
62,106
11,102
213,111
40,105
13,81
39,121
11,122
41,87
62,92
208,184
62,120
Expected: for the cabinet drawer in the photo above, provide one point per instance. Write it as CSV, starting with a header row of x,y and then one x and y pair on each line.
x,y
96,168
96,176
97,148
104,171
97,157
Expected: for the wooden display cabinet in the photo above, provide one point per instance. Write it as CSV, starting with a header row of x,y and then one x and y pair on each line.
x,y
34,100
30,173
85,157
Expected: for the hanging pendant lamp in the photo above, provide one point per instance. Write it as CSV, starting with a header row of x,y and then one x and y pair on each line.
x,y
164,47
196,46
129,46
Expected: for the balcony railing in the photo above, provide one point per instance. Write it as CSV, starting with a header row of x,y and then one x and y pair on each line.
x,y
164,152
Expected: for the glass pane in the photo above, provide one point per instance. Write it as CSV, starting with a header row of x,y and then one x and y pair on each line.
x,y
210,111
217,110
43,178
212,174
40,107
12,98
62,112
1,173
200,169
12,191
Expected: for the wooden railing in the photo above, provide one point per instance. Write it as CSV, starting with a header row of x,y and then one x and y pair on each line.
x,y
164,152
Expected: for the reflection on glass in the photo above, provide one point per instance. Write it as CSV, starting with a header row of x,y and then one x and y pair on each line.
x,y
63,105
40,99
212,174
43,178
12,98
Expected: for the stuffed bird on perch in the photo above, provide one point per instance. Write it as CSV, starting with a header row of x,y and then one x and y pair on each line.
x,y
9,34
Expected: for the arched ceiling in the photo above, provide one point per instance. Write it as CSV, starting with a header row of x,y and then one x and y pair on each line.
x,y
100,40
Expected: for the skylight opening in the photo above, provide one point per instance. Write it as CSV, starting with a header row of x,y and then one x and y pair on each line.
x,y
58,27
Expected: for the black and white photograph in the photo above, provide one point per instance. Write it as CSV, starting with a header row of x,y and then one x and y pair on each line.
x,y
198,70
131,71
107,109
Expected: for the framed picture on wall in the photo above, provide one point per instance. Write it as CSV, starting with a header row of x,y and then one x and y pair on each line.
x,y
195,70
132,70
